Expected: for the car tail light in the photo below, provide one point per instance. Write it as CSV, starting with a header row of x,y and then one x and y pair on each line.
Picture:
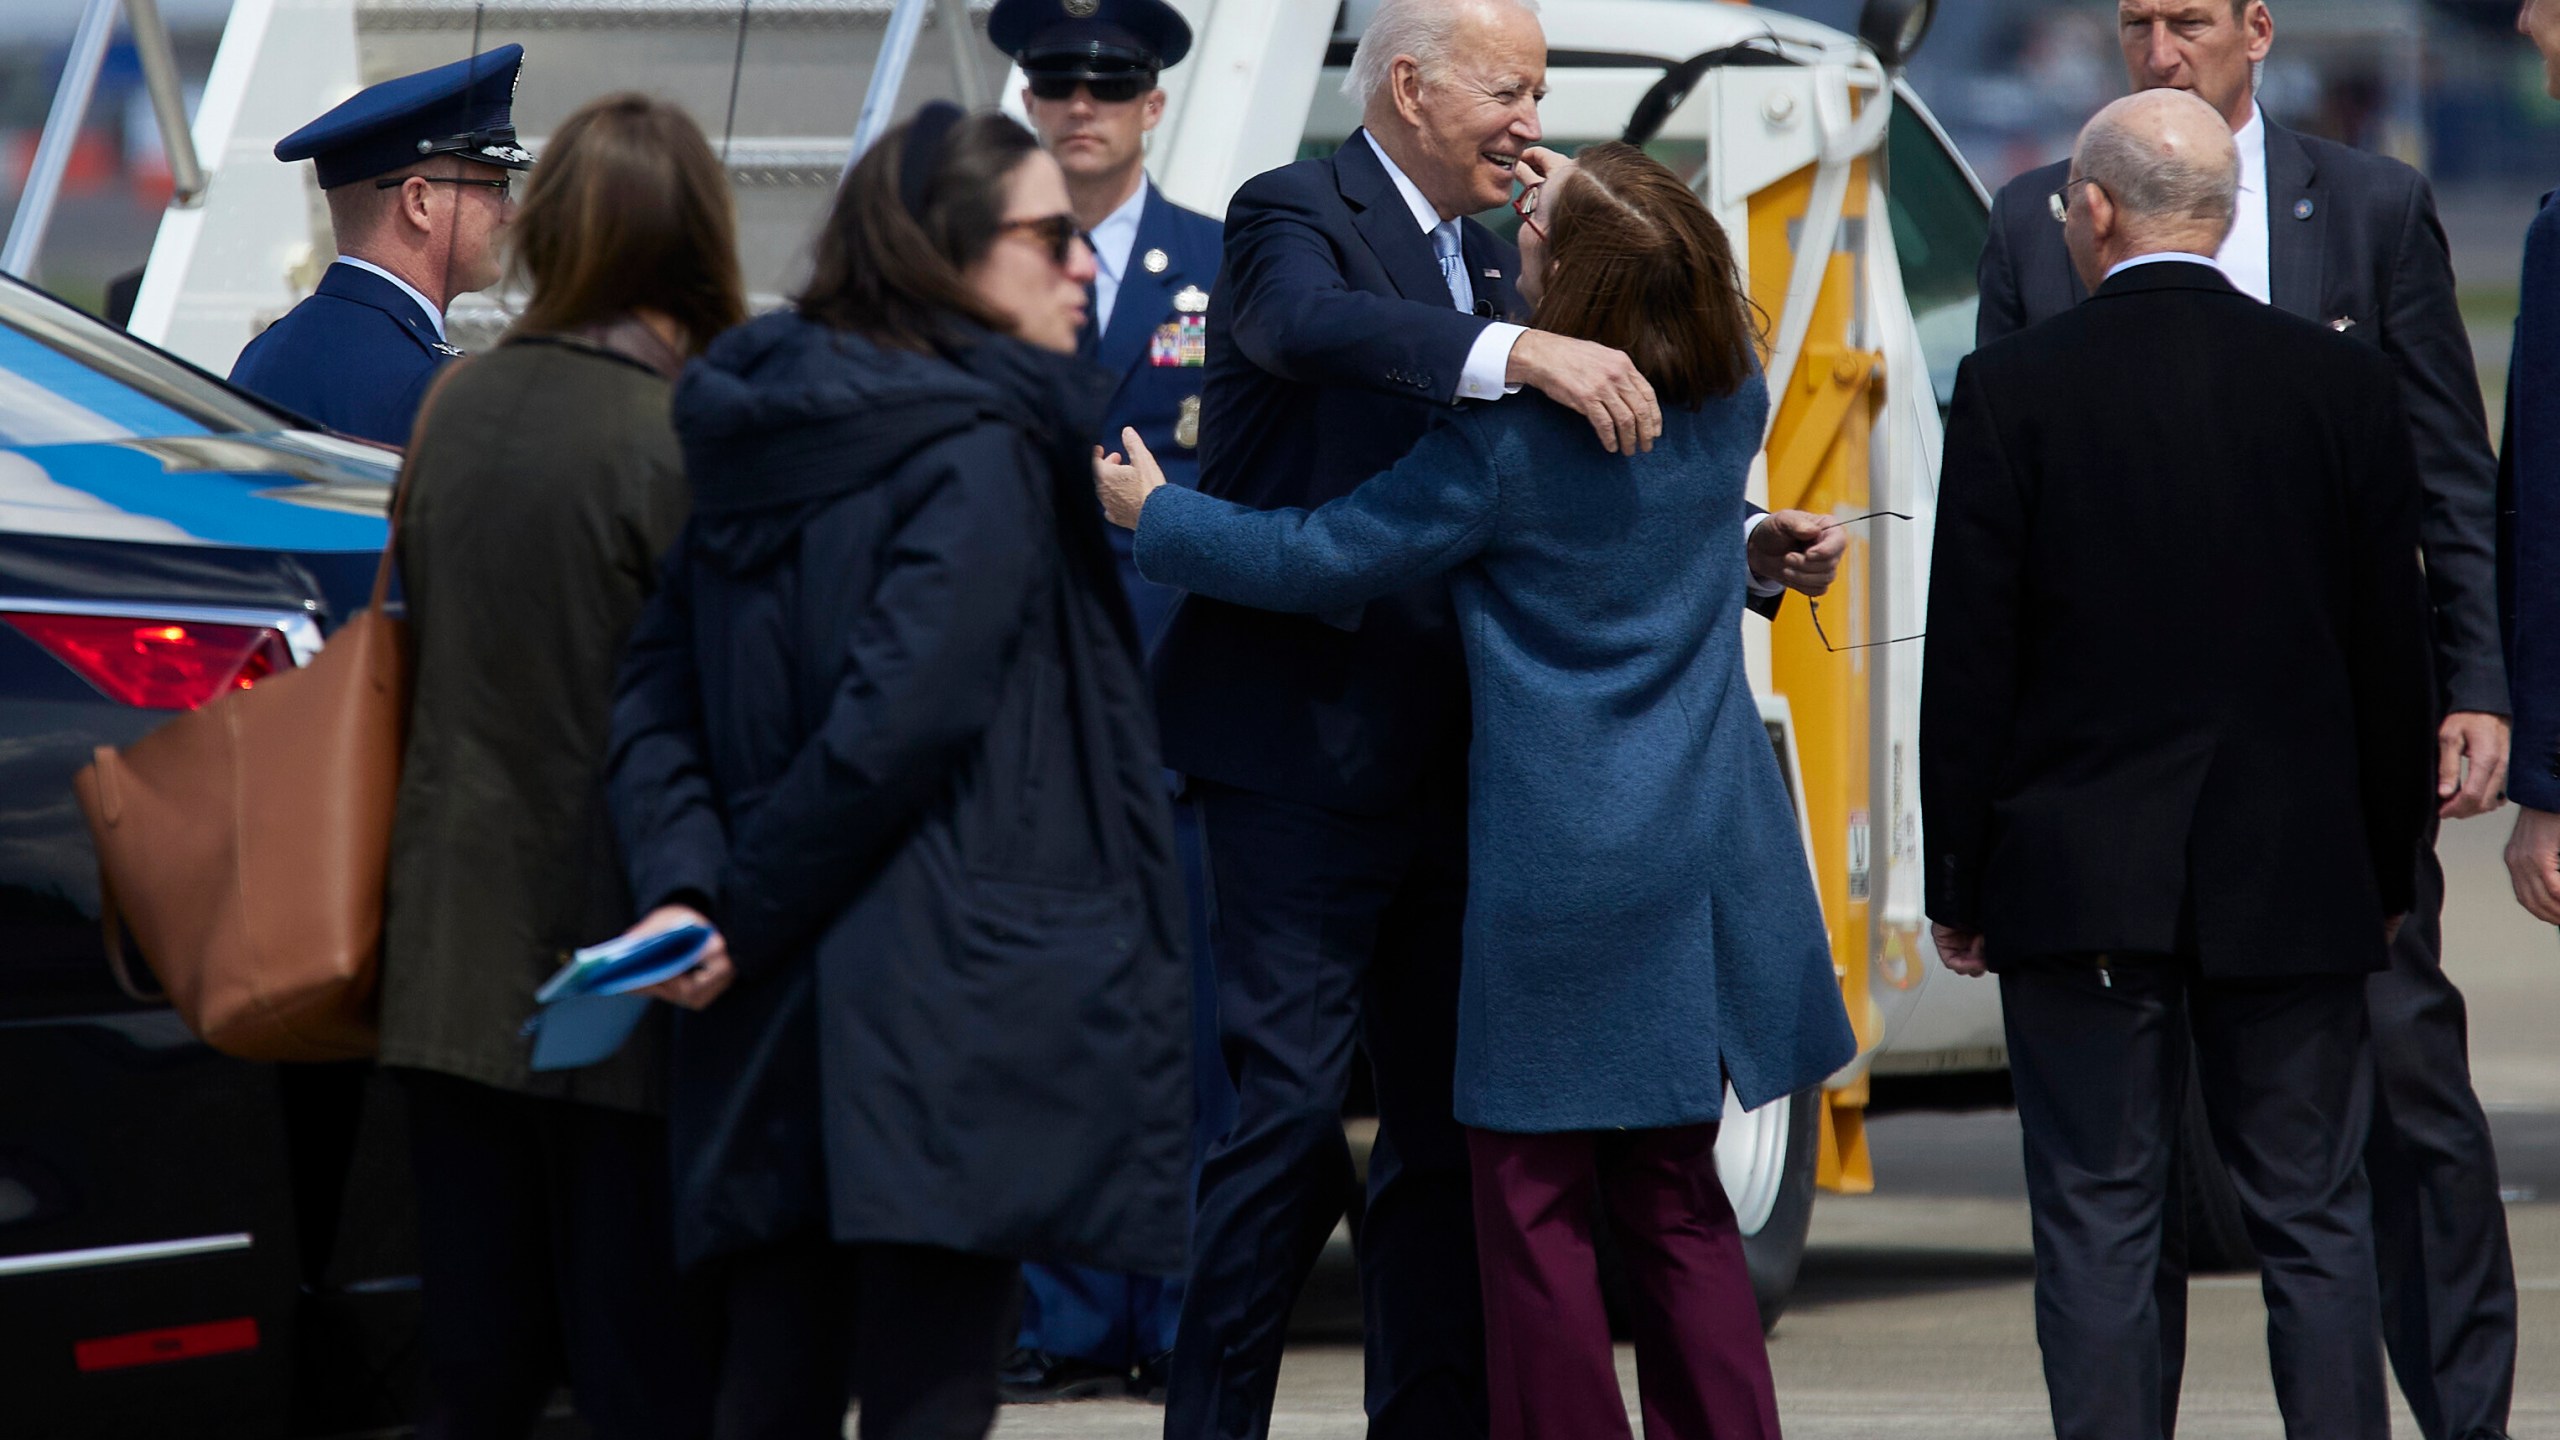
x,y
157,664
160,1347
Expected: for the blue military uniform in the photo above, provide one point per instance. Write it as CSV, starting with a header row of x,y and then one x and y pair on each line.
x,y
1084,1330
359,353
356,356
1157,343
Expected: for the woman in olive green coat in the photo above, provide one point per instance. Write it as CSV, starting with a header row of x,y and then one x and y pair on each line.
x,y
545,486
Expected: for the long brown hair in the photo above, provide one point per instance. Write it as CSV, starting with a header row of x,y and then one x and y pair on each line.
x,y
629,210
898,277
1635,262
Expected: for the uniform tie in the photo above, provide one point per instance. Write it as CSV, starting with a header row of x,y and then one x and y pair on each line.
x,y
1453,265
1089,339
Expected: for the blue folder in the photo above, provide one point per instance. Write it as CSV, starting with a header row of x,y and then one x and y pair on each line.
x,y
591,1006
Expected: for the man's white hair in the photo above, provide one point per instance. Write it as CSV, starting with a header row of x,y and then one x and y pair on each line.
x,y
1424,29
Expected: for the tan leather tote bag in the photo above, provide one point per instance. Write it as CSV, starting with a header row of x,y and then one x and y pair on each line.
x,y
246,846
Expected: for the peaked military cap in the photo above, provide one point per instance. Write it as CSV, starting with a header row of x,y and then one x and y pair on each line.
x,y
1089,39
465,109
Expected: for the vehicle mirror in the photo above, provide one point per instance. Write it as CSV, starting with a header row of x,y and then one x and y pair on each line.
x,y
1894,28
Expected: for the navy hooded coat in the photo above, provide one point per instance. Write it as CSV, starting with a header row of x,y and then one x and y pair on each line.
x,y
885,722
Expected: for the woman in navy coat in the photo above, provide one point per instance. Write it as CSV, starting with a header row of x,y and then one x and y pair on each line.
x,y
1641,926
885,727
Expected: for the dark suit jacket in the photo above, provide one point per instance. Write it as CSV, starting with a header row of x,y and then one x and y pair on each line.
x,y
1332,348
356,355
2529,509
2175,698
2350,236
1160,376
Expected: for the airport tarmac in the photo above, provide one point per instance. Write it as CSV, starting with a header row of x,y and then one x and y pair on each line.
x,y
1914,1318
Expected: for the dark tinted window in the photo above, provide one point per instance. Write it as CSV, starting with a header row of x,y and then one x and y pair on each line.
x,y
1939,225
67,377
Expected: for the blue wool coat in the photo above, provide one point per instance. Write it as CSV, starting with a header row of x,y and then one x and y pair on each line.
x,y
1640,921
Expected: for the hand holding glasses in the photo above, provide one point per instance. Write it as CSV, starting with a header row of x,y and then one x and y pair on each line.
x,y
1813,608
1536,168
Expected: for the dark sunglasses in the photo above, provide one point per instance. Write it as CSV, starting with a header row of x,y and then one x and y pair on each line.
x,y
1119,90
1056,233
505,185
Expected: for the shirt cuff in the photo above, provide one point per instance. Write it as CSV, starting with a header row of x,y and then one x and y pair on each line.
x,y
1763,589
1488,361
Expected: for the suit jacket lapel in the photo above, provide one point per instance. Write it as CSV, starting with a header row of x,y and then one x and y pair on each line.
x,y
1489,268
1144,299
2293,236
1386,223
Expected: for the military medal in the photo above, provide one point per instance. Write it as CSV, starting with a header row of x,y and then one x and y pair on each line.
x,y
1192,300
1182,343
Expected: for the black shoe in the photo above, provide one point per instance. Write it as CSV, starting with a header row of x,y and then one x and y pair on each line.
x,y
1035,1377
1147,1382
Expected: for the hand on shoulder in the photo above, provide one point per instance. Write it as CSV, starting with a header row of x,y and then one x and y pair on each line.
x,y
1602,384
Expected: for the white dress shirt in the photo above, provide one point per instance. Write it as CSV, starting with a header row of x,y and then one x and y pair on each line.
x,y
2157,257
1112,240
1489,360
435,316
2244,251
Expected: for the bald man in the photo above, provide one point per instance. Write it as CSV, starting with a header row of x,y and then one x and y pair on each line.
x,y
2176,755
2351,240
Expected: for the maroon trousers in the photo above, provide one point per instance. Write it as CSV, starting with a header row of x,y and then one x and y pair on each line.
x,y
1702,1368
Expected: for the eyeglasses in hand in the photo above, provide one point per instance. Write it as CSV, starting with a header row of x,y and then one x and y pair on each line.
x,y
1813,607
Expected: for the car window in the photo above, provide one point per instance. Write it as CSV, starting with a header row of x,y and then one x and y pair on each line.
x,y
1939,225
67,377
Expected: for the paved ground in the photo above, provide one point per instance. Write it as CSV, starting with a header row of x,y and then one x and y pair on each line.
x,y
1913,1316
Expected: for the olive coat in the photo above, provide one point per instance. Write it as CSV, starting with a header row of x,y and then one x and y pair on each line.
x,y
545,486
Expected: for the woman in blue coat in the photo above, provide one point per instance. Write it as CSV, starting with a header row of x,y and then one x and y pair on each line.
x,y
884,726
1641,926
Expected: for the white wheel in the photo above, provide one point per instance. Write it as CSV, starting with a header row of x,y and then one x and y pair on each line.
x,y
1751,1157
1766,1159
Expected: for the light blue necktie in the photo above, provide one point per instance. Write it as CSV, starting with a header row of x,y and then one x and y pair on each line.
x,y
1453,265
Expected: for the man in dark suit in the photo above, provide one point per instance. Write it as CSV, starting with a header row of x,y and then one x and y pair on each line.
x,y
2174,762
2529,543
2350,240
1356,309
1090,89
418,173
